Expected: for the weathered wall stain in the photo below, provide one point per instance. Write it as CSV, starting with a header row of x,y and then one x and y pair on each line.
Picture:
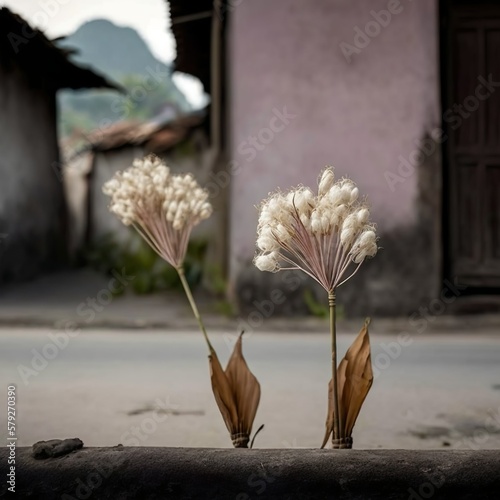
x,y
405,274
32,206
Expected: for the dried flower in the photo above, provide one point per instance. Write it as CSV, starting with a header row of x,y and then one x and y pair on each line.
x,y
164,208
321,235
161,206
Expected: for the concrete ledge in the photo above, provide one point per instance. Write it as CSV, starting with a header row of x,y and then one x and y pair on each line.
x,y
204,473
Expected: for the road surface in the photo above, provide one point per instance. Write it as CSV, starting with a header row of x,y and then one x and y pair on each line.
x,y
151,388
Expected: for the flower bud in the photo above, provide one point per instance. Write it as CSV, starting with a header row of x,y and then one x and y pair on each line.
x,y
267,243
282,233
266,262
316,223
363,215
347,237
326,181
335,195
306,221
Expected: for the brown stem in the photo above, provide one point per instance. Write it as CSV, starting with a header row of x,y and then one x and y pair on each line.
x,y
333,336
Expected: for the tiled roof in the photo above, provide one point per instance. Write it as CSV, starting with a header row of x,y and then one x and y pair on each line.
x,y
44,64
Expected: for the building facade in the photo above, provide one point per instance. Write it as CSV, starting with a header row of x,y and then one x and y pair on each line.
x,y
403,97
181,143
33,217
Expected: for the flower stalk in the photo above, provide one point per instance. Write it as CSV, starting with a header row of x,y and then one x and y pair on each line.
x,y
327,236
335,390
164,208
194,307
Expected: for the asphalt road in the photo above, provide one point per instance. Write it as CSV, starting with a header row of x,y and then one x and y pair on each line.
x,y
105,387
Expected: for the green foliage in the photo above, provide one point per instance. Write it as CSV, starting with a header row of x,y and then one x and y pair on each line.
x,y
225,308
216,281
71,121
151,272
319,309
185,149
193,263
315,307
217,284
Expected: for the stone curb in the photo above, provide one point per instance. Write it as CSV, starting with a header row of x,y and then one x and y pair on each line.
x,y
205,473
489,324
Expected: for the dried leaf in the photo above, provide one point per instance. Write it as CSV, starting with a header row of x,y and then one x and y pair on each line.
x,y
341,379
245,387
223,393
255,435
237,393
358,378
354,378
329,415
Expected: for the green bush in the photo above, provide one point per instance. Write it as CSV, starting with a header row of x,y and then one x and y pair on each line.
x,y
151,272
320,309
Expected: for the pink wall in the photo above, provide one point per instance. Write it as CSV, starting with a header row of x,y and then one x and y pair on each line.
x,y
359,116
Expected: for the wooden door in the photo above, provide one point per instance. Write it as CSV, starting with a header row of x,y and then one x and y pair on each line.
x,y
472,121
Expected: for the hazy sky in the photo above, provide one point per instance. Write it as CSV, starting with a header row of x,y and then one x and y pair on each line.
x,y
148,17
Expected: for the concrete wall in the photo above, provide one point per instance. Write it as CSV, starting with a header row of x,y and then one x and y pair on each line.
x,y
136,473
359,112
32,208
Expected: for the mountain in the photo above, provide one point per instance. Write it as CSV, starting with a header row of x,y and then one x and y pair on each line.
x,y
122,55
111,49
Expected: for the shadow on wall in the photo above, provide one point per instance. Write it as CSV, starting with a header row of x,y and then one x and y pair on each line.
x,y
24,253
405,274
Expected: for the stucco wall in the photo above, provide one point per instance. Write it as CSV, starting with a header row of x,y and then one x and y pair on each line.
x,y
32,209
359,114
106,164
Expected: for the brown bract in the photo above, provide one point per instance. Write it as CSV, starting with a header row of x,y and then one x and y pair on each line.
x,y
237,393
355,377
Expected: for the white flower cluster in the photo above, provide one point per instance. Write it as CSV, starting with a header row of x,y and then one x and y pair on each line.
x,y
147,188
317,233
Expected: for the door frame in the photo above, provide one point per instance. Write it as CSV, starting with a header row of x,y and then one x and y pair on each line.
x,y
446,8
